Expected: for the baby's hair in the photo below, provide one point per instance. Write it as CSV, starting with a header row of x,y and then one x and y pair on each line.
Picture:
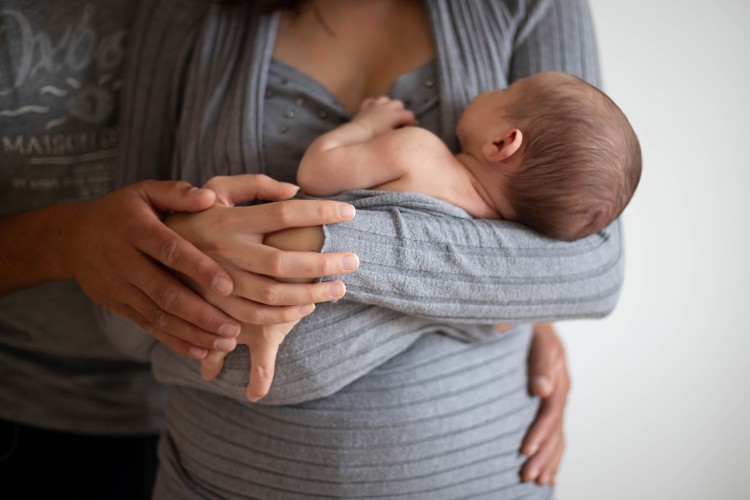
x,y
581,162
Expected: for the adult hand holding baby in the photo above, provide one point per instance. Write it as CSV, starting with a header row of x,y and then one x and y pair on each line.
x,y
274,287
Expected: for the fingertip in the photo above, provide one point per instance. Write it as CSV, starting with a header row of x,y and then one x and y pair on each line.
x,y
530,449
229,330
222,285
306,309
253,395
291,187
205,196
225,344
346,211
531,474
197,352
337,289
350,262
196,191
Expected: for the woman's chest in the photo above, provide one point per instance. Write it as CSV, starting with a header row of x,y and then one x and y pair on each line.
x,y
355,49
297,109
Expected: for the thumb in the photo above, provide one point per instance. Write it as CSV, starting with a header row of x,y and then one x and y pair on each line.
x,y
178,196
250,187
543,354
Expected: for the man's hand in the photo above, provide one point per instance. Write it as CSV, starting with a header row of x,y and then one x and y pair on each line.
x,y
234,237
548,377
117,248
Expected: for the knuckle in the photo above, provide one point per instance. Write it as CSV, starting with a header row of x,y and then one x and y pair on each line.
x,y
264,372
166,298
253,316
269,294
158,319
282,213
328,266
146,325
276,264
326,211
169,252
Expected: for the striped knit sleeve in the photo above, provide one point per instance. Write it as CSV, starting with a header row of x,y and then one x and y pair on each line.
x,y
422,257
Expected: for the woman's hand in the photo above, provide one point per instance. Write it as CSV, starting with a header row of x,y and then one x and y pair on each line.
x,y
548,376
234,237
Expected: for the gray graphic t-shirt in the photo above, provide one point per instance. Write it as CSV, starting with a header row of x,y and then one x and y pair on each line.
x,y
60,74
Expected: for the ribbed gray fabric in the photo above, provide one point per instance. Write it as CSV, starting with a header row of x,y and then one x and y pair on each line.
x,y
403,390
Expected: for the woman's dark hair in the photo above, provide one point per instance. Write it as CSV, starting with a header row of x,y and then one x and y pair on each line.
x,y
267,5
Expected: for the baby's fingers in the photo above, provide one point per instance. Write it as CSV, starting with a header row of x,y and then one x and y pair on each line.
x,y
212,364
264,346
262,369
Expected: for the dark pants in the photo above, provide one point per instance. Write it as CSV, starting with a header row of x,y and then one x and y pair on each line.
x,y
35,463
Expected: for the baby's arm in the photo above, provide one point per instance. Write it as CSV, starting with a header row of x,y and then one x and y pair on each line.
x,y
343,158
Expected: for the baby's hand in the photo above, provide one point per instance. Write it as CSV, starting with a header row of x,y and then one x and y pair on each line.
x,y
383,113
263,342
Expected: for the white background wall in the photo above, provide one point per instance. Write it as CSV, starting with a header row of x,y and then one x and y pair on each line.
x,y
660,406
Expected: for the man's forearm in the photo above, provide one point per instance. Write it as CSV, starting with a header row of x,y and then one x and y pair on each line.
x,y
32,246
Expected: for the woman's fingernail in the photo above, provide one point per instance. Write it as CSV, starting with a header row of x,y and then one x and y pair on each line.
x,y
350,262
306,309
223,285
531,449
225,345
336,290
346,211
229,330
533,473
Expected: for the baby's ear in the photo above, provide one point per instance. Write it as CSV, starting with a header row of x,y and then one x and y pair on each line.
x,y
503,148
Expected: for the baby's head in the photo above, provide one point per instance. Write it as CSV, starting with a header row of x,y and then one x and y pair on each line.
x,y
565,155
